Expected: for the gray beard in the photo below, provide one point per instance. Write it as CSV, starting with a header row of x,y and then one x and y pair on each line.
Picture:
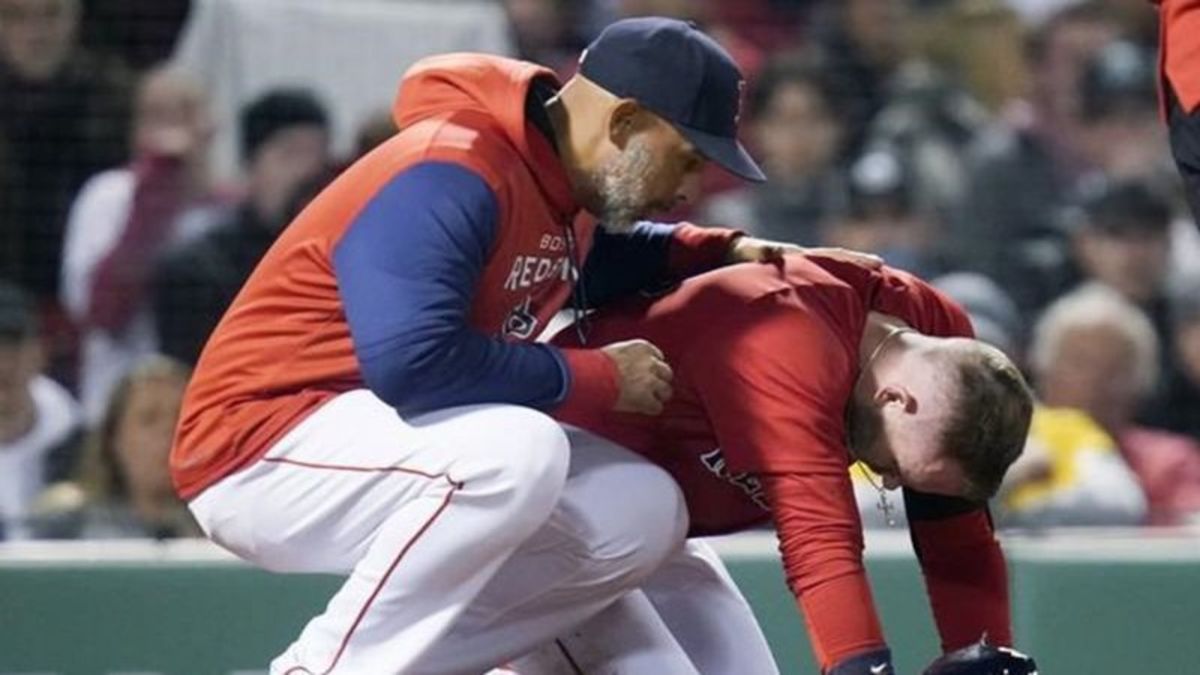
x,y
623,187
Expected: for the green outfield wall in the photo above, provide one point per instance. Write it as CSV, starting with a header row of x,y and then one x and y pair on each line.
x,y
1084,604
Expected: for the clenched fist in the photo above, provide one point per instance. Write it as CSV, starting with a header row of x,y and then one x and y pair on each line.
x,y
643,376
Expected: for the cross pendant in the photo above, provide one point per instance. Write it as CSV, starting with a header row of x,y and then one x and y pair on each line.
x,y
885,505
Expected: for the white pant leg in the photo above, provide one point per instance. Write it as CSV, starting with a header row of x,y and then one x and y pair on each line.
x,y
689,617
627,638
421,513
708,615
619,518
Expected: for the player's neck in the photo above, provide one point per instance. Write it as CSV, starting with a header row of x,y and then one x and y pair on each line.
x,y
879,341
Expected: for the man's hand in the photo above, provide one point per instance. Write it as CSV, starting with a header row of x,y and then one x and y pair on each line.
x,y
752,249
643,376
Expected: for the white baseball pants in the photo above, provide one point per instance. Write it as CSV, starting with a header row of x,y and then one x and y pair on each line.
x,y
470,535
687,618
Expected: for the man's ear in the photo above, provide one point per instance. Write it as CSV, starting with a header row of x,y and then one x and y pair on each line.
x,y
895,395
624,119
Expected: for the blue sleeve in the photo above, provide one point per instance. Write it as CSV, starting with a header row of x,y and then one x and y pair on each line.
x,y
620,264
407,269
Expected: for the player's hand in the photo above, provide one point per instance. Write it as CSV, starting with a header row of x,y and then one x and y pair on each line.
x,y
643,376
867,260
753,249
983,659
746,249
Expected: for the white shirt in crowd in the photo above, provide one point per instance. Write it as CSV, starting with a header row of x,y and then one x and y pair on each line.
x,y
23,461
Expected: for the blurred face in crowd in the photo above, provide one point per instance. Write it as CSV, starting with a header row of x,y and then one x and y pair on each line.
x,y
1068,48
646,167
797,133
283,164
538,24
20,362
37,36
878,27
1129,143
171,117
1132,262
1094,369
144,432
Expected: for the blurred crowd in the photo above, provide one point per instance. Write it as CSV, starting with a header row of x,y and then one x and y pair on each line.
x,y
1010,150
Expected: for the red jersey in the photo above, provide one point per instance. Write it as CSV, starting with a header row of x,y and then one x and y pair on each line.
x,y
765,359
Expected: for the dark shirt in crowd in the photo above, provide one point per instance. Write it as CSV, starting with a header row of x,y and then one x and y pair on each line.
x,y
195,284
53,135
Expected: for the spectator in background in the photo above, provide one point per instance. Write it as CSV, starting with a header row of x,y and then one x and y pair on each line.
x,y
39,420
881,216
285,147
1122,133
547,32
1180,411
1097,353
373,131
124,489
1020,170
928,123
64,114
1071,474
861,45
993,314
795,121
124,218
1121,238
980,44
141,33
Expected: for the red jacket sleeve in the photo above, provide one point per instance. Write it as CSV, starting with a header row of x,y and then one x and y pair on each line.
x,y
774,380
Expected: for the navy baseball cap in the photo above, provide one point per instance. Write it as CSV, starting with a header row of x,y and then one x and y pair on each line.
x,y
682,75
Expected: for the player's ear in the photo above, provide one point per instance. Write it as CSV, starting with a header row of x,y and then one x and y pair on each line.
x,y
896,395
625,118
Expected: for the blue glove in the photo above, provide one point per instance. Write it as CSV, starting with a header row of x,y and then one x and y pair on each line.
x,y
878,662
983,659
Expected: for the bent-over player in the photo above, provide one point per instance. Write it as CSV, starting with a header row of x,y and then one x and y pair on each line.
x,y
784,376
